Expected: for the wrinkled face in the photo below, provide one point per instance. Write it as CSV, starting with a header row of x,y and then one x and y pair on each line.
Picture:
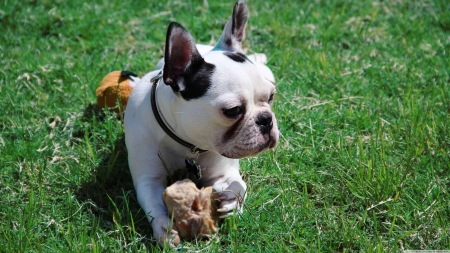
x,y
240,98
223,99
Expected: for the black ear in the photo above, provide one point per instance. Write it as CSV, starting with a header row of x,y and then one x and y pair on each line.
x,y
234,32
181,57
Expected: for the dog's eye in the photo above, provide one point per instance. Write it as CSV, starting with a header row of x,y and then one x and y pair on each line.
x,y
271,98
233,112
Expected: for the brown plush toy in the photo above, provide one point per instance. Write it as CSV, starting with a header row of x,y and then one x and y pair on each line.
x,y
193,210
115,87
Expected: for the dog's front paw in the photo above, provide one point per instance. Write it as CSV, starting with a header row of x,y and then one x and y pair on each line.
x,y
228,206
231,200
165,232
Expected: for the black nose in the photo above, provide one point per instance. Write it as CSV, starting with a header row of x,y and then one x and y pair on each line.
x,y
264,122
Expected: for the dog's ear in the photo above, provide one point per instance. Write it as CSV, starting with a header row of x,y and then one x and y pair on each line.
x,y
234,32
181,57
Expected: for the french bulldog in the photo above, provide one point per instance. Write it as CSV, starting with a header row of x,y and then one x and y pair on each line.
x,y
202,109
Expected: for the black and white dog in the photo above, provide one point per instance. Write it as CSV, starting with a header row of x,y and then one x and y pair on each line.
x,y
202,109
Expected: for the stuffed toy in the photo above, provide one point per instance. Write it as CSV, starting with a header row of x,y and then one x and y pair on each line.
x,y
115,88
194,211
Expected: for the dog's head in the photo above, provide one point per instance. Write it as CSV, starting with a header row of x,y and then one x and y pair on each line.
x,y
223,98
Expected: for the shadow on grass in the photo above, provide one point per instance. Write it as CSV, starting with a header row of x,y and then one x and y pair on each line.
x,y
111,193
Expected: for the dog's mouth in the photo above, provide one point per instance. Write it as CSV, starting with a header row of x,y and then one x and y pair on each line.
x,y
238,151
270,144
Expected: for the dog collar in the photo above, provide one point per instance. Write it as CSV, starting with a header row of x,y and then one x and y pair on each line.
x,y
166,127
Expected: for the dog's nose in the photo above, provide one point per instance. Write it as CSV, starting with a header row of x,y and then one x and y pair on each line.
x,y
264,122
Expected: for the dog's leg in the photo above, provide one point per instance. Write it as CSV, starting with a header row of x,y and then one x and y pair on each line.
x,y
231,191
149,174
232,198
149,193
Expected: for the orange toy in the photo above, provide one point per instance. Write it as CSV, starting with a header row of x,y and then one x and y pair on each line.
x,y
115,87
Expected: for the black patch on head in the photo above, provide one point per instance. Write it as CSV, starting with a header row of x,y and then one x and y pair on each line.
x,y
237,57
197,81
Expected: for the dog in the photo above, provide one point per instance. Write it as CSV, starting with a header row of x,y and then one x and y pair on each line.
x,y
202,109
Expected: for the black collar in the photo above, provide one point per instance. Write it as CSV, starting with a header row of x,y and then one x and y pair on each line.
x,y
155,81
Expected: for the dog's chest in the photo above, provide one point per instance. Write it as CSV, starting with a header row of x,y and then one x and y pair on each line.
x,y
209,164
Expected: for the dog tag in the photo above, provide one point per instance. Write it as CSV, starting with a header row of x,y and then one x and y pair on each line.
x,y
193,168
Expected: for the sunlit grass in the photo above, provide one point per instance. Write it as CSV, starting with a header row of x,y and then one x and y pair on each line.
x,y
362,103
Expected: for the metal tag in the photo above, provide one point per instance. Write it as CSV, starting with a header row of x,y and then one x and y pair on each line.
x,y
193,168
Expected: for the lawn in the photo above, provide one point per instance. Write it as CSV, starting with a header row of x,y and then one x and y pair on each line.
x,y
363,106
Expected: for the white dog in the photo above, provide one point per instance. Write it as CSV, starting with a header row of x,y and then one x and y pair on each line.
x,y
202,109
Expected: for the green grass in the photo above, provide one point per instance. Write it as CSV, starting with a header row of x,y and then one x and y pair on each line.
x,y
363,106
